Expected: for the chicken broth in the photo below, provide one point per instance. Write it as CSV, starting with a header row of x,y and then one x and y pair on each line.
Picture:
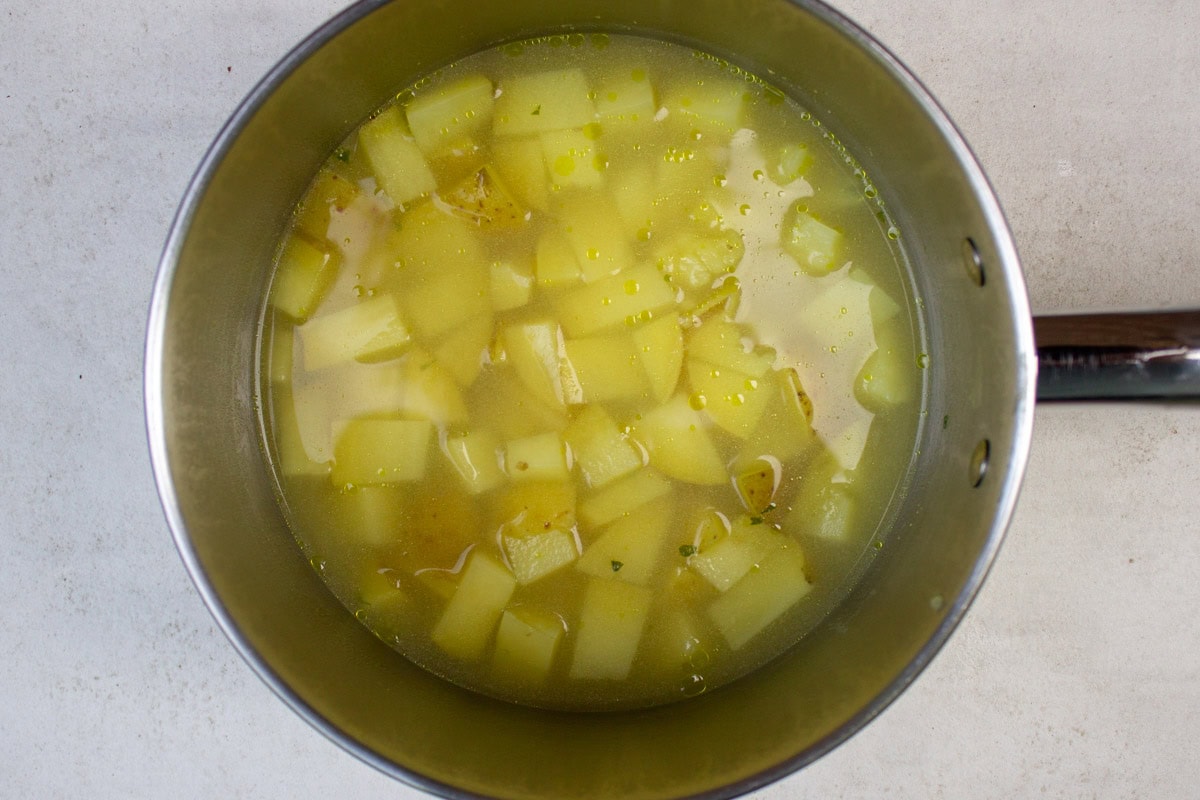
x,y
590,372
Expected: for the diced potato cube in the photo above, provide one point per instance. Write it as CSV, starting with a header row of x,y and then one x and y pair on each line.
x,y
536,458
630,549
303,275
785,428
556,262
629,298
294,458
537,352
279,356
733,400
694,262
757,482
374,514
812,244
789,163
733,557
466,626
441,274
330,192
635,194
462,352
606,367
887,378
536,555
383,602
374,452
717,104
370,330
511,285
601,450
514,411
598,239
623,497
535,506
397,162
883,308
543,101
731,346
628,97
822,510
526,643
610,629
677,643
482,199
428,390
761,597
658,346
446,113
573,159
677,439
523,167
476,457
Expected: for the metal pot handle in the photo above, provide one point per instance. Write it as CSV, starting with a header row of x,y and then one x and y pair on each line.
x,y
1122,356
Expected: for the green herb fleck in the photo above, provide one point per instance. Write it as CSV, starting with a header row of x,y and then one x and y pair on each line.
x,y
945,421
616,565
342,154
756,520
770,507
537,111
687,550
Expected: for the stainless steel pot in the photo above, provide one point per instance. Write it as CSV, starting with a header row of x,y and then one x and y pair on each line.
x,y
204,434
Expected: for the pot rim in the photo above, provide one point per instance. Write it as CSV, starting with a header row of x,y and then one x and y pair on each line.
x,y
1016,457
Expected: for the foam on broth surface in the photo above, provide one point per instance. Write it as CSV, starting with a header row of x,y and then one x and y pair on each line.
x,y
590,372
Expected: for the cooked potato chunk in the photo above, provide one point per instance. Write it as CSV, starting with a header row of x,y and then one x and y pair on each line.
x,y
398,163
447,113
610,629
303,275
526,644
536,555
761,596
602,452
544,101
466,626
374,452
679,445
369,331
629,298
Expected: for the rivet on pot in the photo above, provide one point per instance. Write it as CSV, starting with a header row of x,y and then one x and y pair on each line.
x,y
979,462
973,262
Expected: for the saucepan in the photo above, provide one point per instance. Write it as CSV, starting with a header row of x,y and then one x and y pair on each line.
x,y
982,382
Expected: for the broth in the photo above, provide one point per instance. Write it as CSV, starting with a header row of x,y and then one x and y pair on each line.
x,y
590,372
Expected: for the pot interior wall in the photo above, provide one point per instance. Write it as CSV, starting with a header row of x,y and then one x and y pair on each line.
x,y
407,722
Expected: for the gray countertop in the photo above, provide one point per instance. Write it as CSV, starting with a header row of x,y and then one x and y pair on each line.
x,y
1077,672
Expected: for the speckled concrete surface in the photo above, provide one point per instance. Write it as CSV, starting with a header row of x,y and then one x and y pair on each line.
x,y
1077,673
